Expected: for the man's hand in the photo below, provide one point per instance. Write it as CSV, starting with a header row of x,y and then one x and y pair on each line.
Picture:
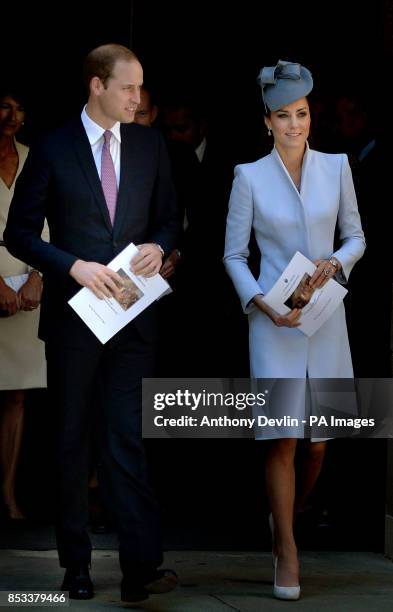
x,y
169,265
30,293
102,281
148,262
9,301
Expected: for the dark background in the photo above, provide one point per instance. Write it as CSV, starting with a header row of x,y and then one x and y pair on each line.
x,y
211,491
216,51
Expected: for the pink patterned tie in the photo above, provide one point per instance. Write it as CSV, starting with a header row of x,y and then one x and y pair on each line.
x,y
108,176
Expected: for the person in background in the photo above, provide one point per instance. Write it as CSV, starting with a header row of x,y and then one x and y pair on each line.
x,y
22,358
147,110
146,114
293,198
368,151
208,349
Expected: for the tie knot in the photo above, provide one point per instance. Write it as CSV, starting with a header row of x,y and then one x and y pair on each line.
x,y
107,136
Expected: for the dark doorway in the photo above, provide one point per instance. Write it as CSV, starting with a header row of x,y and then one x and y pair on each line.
x,y
212,491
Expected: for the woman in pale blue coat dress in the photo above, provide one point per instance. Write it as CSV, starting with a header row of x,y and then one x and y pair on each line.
x,y
293,199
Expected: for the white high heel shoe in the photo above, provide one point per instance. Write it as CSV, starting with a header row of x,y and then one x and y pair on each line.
x,y
271,525
284,592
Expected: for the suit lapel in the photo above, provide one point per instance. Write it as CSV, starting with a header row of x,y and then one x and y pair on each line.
x,y
86,160
128,169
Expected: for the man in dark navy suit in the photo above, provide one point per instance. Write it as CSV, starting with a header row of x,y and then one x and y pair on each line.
x,y
101,182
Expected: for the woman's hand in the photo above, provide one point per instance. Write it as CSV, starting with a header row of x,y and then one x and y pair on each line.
x,y
325,270
30,293
292,319
9,300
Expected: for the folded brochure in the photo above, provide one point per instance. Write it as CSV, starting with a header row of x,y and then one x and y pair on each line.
x,y
108,316
292,290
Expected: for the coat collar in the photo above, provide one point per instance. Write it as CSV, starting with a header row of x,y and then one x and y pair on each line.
x,y
94,131
306,162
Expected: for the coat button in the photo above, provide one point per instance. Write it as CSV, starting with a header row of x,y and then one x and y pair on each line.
x,y
115,244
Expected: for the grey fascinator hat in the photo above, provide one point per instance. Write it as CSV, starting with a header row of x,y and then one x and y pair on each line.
x,y
283,84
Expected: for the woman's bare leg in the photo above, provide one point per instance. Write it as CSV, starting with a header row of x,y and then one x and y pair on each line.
x,y
11,429
310,470
280,485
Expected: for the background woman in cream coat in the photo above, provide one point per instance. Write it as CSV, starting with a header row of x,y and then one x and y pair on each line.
x,y
293,199
22,359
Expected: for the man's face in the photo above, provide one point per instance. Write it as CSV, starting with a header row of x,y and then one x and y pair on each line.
x,y
182,127
350,118
118,100
146,113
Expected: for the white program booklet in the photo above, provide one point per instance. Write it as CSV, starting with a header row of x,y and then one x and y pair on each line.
x,y
108,316
292,290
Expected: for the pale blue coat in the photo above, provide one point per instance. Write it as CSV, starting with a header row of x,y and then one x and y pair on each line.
x,y
265,198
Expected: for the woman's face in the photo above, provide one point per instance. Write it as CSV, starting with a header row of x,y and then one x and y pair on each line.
x,y
12,115
290,124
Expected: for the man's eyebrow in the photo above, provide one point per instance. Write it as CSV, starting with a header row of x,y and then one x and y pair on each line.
x,y
126,84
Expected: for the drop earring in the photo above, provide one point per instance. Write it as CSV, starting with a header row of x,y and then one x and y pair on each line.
x,y
269,132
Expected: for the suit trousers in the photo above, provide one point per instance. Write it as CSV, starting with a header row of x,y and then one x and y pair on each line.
x,y
79,364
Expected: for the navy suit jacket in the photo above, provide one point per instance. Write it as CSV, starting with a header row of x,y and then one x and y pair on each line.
x,y
60,182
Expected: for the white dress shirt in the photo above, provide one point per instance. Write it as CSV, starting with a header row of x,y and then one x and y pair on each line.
x,y
200,150
95,134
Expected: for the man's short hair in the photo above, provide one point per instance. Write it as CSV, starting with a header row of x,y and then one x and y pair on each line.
x,y
101,60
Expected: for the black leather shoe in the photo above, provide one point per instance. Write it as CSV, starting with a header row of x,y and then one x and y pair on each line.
x,y
132,593
162,581
159,581
77,581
